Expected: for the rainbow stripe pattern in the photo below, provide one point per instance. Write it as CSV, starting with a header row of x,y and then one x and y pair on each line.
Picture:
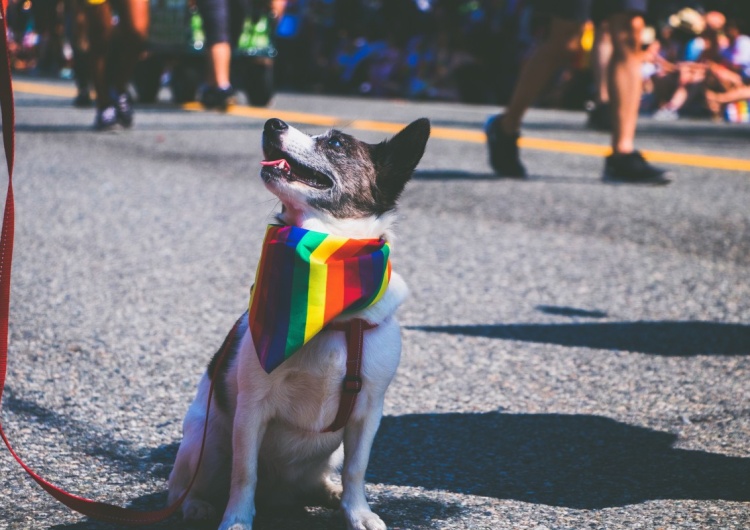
x,y
304,280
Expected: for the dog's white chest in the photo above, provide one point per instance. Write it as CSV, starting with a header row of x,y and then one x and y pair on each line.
x,y
305,391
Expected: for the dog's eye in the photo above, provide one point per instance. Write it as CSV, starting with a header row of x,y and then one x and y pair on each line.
x,y
334,141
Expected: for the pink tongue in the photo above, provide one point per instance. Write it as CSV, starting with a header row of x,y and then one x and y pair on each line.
x,y
281,163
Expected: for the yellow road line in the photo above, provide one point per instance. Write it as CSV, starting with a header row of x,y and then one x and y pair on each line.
x,y
444,133
40,89
264,114
474,136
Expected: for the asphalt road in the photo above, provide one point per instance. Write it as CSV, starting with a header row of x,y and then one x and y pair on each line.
x,y
576,354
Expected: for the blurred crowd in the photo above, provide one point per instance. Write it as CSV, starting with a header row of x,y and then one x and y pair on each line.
x,y
698,63
696,53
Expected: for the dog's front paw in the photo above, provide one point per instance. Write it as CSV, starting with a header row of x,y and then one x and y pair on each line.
x,y
364,520
197,510
237,522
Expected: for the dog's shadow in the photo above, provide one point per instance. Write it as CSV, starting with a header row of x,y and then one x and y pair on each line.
x,y
401,513
575,461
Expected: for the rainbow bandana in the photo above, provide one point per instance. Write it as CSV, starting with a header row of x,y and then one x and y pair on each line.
x,y
306,279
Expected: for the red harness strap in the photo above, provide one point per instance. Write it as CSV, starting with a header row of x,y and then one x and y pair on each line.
x,y
355,338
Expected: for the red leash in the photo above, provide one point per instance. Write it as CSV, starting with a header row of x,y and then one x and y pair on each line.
x,y
97,510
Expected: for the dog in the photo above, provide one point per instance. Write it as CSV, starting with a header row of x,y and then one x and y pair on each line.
x,y
264,442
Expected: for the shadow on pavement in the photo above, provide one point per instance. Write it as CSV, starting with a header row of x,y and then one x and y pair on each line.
x,y
656,338
456,174
571,311
58,128
439,174
576,461
411,513
94,441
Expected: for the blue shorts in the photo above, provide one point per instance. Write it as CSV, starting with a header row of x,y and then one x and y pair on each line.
x,y
583,10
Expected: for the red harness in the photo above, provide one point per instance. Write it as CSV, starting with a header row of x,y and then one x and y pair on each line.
x,y
352,382
355,338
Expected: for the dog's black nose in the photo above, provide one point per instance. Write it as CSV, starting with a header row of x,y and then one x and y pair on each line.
x,y
275,125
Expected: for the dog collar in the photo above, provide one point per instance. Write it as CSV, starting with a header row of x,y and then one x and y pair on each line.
x,y
304,280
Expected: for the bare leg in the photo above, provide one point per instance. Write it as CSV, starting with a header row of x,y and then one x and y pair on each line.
x,y
679,98
219,59
564,39
738,94
625,86
602,53
624,76
713,104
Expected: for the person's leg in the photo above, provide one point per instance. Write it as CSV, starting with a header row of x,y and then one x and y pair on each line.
x,y
49,47
217,15
134,20
127,45
80,44
99,19
670,109
503,131
602,54
680,94
219,60
737,94
564,40
625,164
599,112
624,78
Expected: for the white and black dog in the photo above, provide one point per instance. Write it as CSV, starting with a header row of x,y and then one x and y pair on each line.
x,y
264,441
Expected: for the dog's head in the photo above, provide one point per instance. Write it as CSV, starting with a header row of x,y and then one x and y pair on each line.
x,y
335,183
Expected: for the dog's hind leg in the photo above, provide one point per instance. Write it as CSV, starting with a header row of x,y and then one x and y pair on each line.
x,y
316,485
212,480
325,493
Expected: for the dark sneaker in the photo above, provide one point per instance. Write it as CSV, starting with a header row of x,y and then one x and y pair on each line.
x,y
632,168
124,106
599,117
83,100
217,98
503,148
106,119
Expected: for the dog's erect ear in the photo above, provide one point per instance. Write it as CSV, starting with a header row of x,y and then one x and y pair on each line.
x,y
396,159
